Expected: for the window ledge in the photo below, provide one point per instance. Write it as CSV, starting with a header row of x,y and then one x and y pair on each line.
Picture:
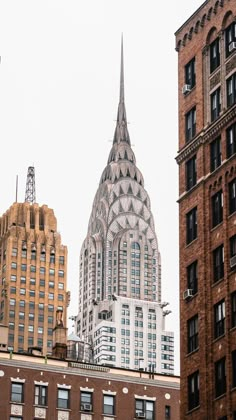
x,y
217,282
192,352
220,396
218,338
16,402
193,409
190,243
216,226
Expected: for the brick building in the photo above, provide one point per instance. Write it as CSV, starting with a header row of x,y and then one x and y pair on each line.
x,y
33,269
82,391
206,45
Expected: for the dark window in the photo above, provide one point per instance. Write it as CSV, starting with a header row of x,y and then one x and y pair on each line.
x,y
191,173
108,404
63,398
233,309
167,412
220,377
219,321
190,73
215,147
193,390
231,140
192,277
217,208
40,395
191,225
190,124
85,401
231,90
144,408
193,334
232,196
218,263
17,392
230,36
215,104
232,243
214,55
234,369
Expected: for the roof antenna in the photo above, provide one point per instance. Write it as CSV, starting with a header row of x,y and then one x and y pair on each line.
x,y
30,194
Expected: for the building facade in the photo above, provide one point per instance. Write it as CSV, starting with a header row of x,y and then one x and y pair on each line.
x,y
206,45
35,387
33,270
120,265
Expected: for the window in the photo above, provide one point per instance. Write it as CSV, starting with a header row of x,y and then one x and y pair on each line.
x,y
40,395
167,412
215,104
233,309
220,377
193,390
217,208
62,259
12,302
61,273
218,263
191,173
63,398
232,196
191,225
17,392
231,140
231,90
85,401
219,321
145,408
234,369
193,334
232,246
215,152
108,404
33,269
214,55
14,265
190,73
190,124
230,36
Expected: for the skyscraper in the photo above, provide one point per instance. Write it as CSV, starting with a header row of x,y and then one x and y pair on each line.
x,y
120,308
33,267
206,45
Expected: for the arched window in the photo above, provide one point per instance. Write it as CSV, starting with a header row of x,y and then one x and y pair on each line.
x,y
135,245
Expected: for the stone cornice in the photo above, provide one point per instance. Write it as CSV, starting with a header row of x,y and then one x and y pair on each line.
x,y
206,134
198,22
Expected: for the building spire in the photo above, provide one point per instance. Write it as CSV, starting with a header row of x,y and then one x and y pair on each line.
x,y
30,195
121,131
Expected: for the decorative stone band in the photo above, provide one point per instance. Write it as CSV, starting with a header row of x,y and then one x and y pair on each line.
x,y
18,380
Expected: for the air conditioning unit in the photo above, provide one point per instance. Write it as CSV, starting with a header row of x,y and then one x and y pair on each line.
x,y
86,407
232,261
188,293
186,89
140,415
232,46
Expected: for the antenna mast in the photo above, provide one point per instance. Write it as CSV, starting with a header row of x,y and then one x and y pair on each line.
x,y
30,194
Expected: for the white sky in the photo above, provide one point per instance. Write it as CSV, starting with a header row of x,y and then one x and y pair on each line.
x,y
59,90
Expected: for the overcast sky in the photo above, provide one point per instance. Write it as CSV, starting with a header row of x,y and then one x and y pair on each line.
x,y
59,91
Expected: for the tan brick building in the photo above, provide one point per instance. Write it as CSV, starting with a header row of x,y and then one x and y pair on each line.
x,y
33,269
206,45
33,387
